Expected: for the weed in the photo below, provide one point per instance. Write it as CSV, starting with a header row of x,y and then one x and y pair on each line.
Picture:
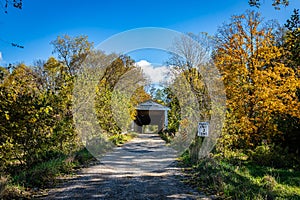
x,y
243,179
119,139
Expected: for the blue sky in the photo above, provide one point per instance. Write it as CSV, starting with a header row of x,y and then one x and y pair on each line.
x,y
40,22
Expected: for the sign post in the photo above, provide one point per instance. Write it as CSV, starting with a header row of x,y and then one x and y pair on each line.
x,y
203,129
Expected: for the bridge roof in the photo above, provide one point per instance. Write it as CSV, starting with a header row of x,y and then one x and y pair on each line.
x,y
151,105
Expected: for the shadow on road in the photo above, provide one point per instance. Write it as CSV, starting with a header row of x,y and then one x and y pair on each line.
x,y
144,168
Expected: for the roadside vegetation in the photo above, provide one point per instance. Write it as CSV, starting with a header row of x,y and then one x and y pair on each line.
x,y
256,157
265,174
38,141
20,183
120,139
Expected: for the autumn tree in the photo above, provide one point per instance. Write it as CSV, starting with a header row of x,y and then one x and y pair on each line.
x,y
3,73
174,112
114,96
190,55
259,86
26,117
36,115
71,51
140,95
56,78
58,87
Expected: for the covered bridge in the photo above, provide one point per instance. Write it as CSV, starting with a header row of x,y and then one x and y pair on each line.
x,y
151,113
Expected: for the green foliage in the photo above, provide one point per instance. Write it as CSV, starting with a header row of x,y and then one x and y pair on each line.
x,y
115,109
292,41
185,159
25,117
104,93
83,157
167,135
225,180
35,107
119,139
188,96
44,174
273,156
174,113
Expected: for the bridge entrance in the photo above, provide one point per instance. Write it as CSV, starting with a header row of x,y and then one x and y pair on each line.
x,y
151,113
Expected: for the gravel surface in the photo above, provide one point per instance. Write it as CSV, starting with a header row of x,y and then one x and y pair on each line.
x,y
144,168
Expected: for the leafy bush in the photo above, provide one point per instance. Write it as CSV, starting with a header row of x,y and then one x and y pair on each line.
x,y
119,139
224,180
44,173
273,156
15,192
167,135
83,157
269,182
185,159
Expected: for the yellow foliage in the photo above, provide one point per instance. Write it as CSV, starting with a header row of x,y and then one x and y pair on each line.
x,y
258,85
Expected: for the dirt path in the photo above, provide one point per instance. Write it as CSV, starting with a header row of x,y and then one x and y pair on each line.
x,y
141,169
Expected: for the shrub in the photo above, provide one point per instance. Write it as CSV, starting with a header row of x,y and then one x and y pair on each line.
x,y
15,192
273,156
119,139
83,157
269,182
167,135
45,173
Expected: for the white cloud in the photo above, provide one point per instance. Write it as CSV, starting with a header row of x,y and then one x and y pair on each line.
x,y
1,56
155,74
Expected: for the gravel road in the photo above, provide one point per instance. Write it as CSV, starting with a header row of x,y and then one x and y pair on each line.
x,y
144,168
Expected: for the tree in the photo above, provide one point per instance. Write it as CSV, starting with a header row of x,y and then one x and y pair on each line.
x,y
140,95
259,86
72,51
18,4
189,58
110,93
25,117
59,82
276,3
58,88
3,73
292,42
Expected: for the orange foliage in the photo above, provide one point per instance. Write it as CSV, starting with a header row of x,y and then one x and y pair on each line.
x,y
259,87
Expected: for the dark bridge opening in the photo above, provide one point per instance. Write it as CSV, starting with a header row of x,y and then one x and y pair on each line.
x,y
151,113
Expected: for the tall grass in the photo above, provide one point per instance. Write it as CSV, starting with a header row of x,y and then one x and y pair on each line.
x,y
245,179
21,184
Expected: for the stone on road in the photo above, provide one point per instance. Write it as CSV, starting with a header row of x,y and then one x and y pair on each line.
x,y
144,168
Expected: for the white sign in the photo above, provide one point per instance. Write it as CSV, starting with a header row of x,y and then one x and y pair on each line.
x,y
203,129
